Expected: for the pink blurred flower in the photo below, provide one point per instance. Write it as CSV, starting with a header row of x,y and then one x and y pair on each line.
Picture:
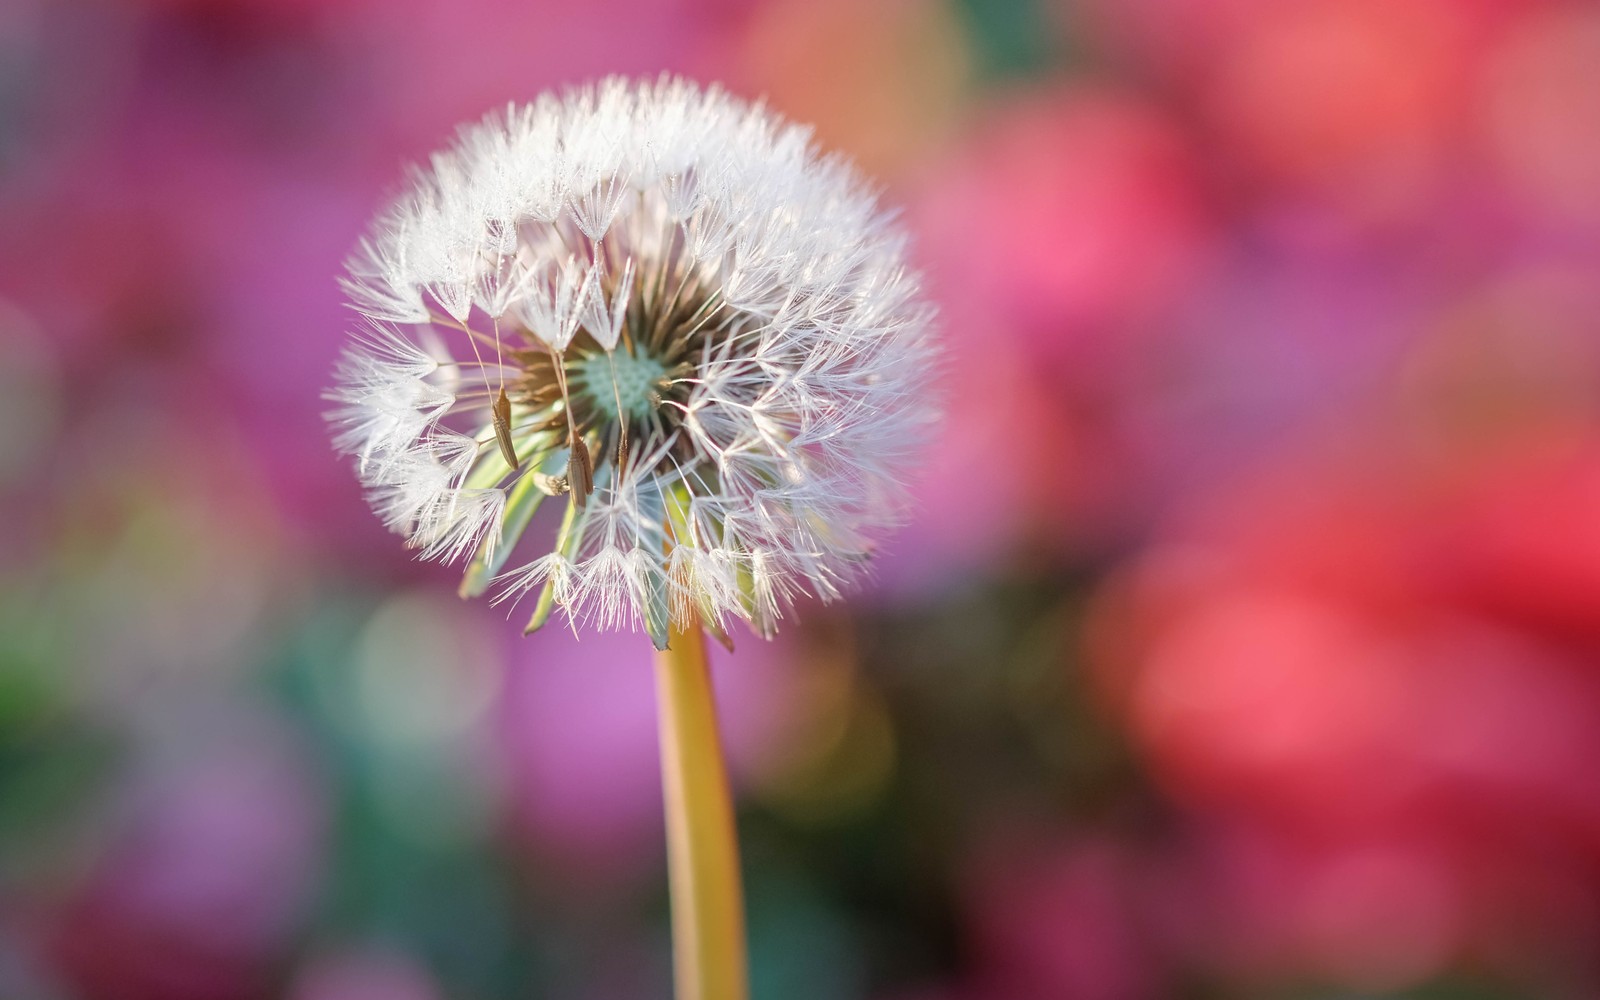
x,y
1376,915
1057,234
1066,219
1540,112
1271,351
983,495
1061,920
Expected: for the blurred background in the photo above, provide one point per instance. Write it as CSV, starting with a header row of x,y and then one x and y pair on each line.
x,y
1247,643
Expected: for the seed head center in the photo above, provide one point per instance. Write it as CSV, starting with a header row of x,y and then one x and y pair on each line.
x,y
629,376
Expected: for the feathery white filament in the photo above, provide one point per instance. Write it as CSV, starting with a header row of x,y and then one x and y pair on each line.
x,y
666,293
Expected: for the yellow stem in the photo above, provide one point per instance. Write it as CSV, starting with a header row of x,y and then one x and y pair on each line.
x,y
708,941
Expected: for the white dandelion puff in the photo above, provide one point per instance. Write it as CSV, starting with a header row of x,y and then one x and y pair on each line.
x,y
661,306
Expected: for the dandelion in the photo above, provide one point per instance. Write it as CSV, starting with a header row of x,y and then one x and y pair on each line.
x,y
665,308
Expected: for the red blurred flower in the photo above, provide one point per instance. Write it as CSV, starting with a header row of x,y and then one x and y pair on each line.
x,y
1391,684
1327,117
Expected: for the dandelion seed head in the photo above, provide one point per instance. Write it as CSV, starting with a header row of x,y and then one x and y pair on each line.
x,y
662,308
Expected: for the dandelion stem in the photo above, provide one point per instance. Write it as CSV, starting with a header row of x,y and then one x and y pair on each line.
x,y
702,848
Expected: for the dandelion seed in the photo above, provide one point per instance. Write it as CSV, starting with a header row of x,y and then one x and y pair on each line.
x,y
662,304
